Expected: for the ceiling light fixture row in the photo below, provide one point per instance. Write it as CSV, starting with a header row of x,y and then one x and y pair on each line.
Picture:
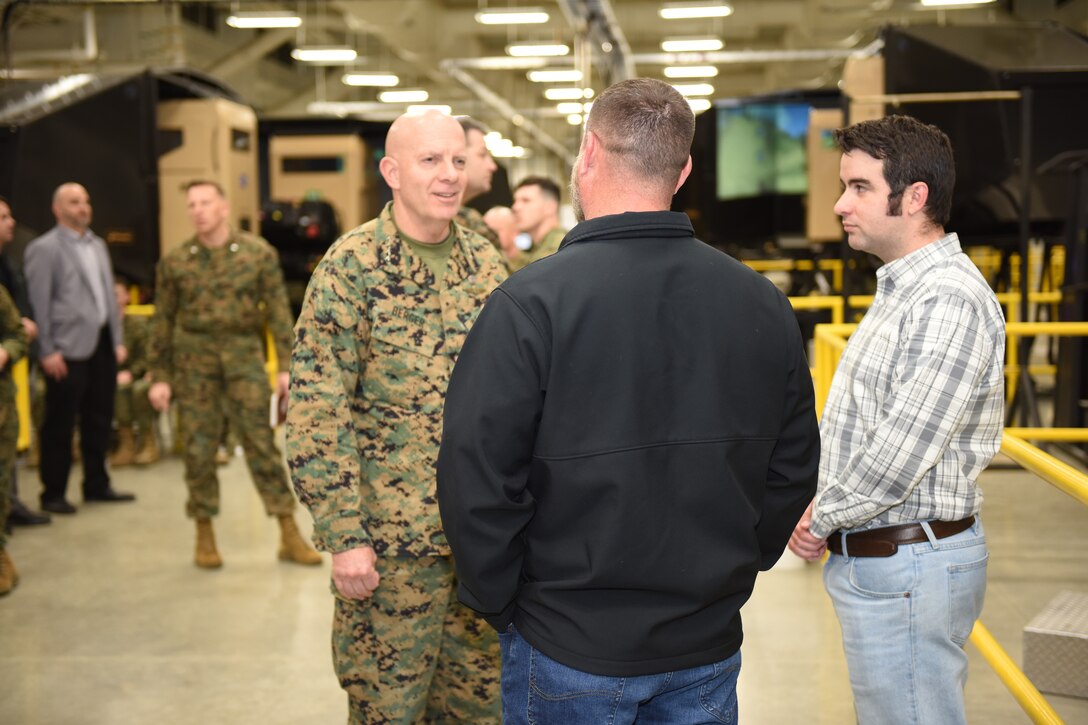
x,y
694,89
326,54
368,79
555,76
512,16
691,45
685,11
535,50
690,71
268,19
567,94
502,148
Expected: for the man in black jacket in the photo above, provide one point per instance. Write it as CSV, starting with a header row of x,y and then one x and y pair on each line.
x,y
629,437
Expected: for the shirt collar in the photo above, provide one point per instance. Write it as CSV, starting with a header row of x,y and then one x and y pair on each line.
x,y
906,270
632,225
72,236
395,254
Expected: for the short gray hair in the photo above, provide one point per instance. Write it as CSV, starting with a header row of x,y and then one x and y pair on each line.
x,y
647,125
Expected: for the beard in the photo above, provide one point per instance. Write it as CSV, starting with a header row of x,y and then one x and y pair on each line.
x,y
576,192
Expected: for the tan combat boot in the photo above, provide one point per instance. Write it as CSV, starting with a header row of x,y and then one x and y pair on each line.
x,y
125,455
207,556
8,576
292,546
149,449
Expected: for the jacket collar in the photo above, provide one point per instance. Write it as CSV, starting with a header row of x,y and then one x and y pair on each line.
x,y
631,225
396,257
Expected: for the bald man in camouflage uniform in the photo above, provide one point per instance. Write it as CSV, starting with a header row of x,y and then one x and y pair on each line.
x,y
13,346
385,315
214,296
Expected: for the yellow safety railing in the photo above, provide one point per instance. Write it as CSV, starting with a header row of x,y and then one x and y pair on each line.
x,y
1058,473
834,266
1011,302
818,302
22,382
829,343
1016,682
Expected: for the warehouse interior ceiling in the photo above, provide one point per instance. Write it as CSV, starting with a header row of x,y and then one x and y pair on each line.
x,y
440,47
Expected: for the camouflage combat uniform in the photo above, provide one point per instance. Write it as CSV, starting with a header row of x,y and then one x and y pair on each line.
x,y
473,220
207,341
13,339
131,406
549,244
374,348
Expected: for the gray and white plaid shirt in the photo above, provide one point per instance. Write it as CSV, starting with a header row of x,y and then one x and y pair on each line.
x,y
916,405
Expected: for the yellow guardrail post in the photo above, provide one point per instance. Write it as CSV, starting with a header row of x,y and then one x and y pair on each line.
x,y
1017,683
21,375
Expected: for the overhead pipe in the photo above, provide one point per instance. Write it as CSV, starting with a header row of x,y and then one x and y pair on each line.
x,y
723,57
503,108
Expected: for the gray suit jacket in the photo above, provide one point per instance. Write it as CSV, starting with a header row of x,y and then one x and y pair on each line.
x,y
62,297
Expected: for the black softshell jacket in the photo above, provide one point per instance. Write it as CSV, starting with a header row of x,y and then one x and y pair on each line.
x,y
629,438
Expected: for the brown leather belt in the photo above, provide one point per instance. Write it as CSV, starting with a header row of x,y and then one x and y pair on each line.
x,y
885,541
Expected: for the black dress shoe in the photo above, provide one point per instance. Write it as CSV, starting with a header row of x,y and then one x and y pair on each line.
x,y
57,506
20,515
109,495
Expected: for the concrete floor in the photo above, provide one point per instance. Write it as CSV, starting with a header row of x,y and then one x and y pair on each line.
x,y
112,624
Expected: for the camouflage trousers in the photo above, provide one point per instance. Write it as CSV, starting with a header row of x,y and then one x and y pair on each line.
x,y
131,406
9,438
413,654
219,383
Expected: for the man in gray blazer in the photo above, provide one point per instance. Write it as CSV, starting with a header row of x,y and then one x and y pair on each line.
x,y
79,336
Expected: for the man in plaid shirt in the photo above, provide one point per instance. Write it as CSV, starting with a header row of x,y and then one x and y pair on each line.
x,y
913,416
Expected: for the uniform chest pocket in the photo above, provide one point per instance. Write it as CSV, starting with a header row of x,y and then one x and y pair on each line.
x,y
403,368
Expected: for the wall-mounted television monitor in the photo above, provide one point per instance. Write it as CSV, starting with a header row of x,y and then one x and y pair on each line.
x,y
761,149
750,169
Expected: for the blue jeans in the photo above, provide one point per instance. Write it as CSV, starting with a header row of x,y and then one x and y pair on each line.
x,y
905,619
537,690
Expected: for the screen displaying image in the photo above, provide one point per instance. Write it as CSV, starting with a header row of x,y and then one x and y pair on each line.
x,y
761,149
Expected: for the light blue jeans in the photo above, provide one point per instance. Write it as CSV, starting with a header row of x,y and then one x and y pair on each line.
x,y
537,690
905,619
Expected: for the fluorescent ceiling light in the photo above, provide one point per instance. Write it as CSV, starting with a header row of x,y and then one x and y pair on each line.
x,y
940,3
423,108
513,152
342,108
567,94
504,62
369,79
523,50
411,95
269,19
698,105
575,119
690,71
678,11
511,16
554,76
568,108
324,54
694,89
685,45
